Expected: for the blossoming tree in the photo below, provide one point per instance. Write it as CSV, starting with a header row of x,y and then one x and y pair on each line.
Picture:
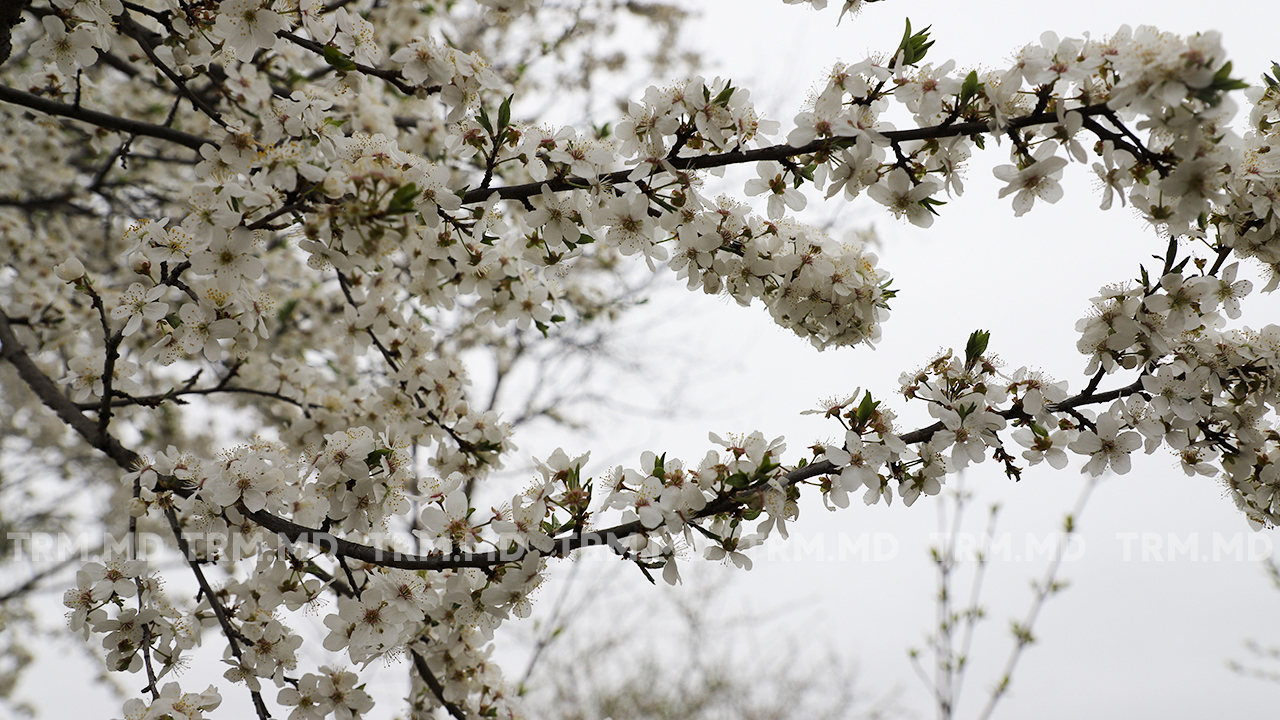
x,y
295,219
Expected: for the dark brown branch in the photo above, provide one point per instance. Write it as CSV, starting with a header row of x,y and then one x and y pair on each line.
x,y
152,686
773,152
101,119
123,400
147,43
234,637
12,351
53,398
391,77
420,664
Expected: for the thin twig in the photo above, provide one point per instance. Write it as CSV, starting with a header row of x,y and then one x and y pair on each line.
x,y
215,603
420,664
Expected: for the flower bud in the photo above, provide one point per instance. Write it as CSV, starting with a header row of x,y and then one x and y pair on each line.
x,y
70,271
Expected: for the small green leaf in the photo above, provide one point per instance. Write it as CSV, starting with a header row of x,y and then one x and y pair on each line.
x,y
283,314
374,458
970,88
867,407
1272,80
725,94
1222,79
504,113
976,346
337,59
913,47
1222,82
403,201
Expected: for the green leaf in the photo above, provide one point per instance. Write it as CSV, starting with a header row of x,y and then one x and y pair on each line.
x,y
374,459
867,407
403,201
913,46
1222,82
766,466
283,314
975,347
970,88
504,113
483,119
724,95
1273,80
660,467
337,59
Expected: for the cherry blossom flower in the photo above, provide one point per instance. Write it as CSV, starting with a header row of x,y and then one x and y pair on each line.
x,y
70,50
1107,444
897,192
247,25
1043,446
449,520
1230,291
229,260
1037,180
70,270
173,703
774,181
138,304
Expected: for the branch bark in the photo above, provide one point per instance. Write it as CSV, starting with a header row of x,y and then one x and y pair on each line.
x,y
101,119
774,152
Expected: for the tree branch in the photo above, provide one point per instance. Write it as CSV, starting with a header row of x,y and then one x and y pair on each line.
x,y
391,77
773,152
101,119
420,664
45,389
12,351
219,611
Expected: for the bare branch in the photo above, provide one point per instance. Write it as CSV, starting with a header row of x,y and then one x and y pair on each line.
x,y
101,119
